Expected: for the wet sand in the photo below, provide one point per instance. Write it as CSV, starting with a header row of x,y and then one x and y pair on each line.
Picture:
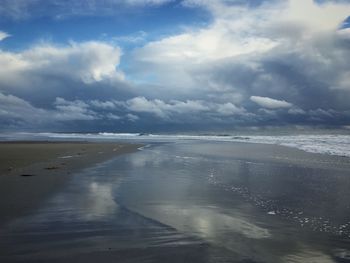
x,y
30,171
193,202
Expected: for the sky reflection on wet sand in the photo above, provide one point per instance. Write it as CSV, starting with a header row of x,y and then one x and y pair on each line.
x,y
165,207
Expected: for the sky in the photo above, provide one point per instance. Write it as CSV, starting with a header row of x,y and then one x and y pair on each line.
x,y
173,65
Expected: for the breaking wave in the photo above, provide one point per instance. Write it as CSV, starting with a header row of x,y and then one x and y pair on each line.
x,y
332,144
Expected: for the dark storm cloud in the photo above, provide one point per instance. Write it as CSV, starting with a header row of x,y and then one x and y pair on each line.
x,y
278,53
309,81
47,84
81,71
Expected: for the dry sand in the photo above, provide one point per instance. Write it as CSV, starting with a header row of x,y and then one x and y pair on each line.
x,y
30,171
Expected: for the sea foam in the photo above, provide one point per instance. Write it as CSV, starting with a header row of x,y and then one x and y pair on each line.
x,y
332,144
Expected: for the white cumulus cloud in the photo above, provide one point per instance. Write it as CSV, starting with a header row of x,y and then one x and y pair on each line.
x,y
46,71
270,103
4,35
88,61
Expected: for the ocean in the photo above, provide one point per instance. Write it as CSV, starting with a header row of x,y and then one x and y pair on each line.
x,y
326,143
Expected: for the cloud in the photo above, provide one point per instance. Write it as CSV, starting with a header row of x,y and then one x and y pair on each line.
x,y
270,103
228,109
88,61
325,16
103,104
162,109
72,110
132,117
3,35
296,111
176,110
46,86
137,37
266,63
240,30
268,50
141,104
204,45
45,71
13,109
18,112
148,2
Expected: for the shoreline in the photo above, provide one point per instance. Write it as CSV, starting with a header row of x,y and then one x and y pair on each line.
x,y
31,171
326,143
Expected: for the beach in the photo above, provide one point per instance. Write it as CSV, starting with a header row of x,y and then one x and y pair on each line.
x,y
189,201
32,170
175,131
